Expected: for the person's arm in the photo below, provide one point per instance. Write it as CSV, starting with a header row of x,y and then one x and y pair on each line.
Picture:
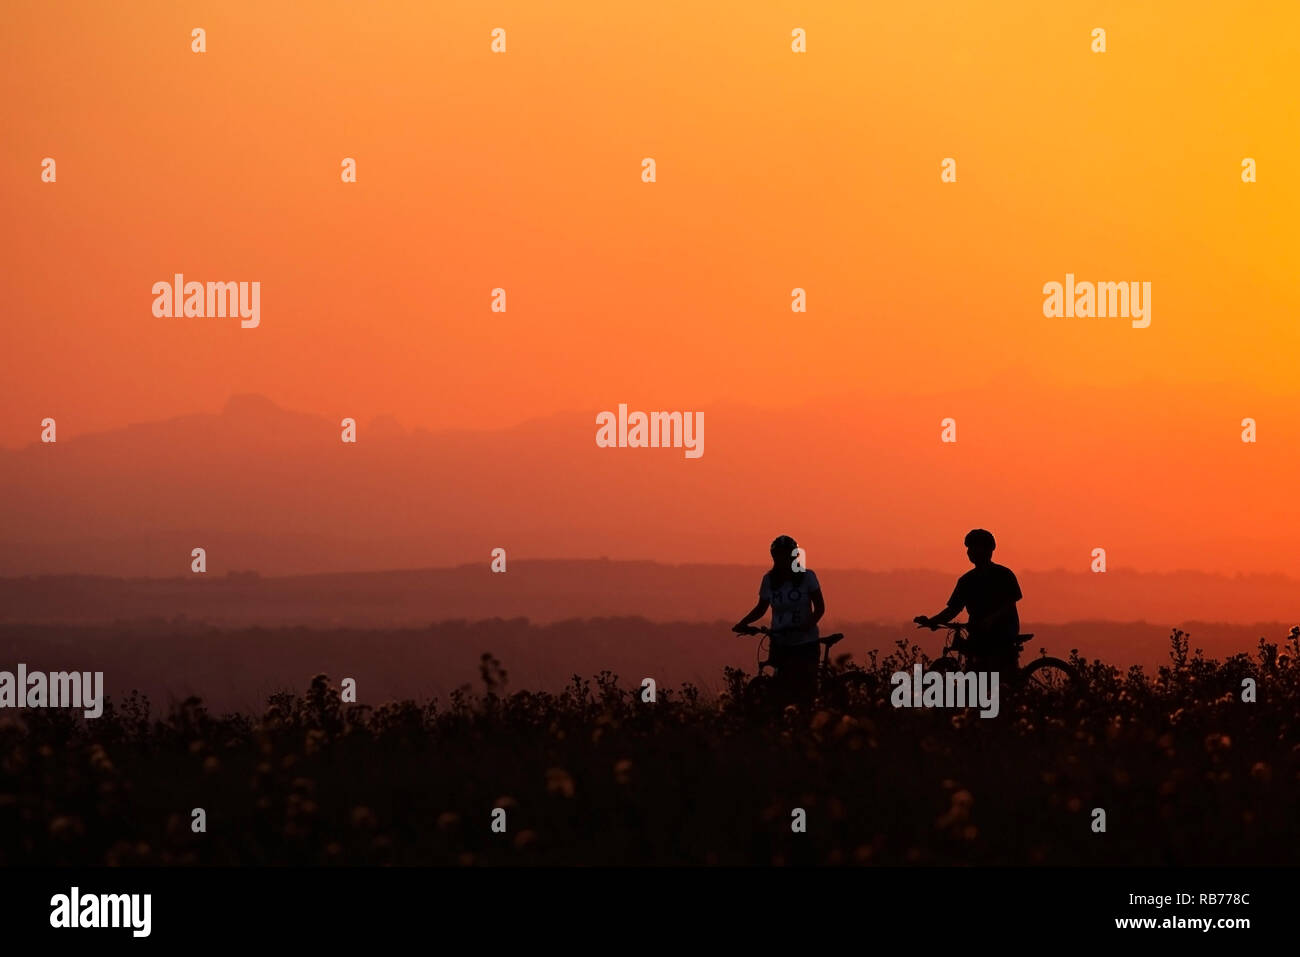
x,y
756,613
818,607
945,616
955,604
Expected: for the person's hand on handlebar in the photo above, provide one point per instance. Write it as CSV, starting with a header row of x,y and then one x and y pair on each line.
x,y
925,622
741,628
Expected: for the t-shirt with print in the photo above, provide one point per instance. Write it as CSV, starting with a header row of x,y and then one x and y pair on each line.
x,y
791,603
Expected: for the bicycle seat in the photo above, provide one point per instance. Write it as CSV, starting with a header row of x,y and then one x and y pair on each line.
x,y
829,640
1021,639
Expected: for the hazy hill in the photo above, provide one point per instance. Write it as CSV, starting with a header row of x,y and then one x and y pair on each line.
x,y
863,484
547,591
237,667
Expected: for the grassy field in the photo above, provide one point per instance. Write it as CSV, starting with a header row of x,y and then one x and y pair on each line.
x,y
1185,770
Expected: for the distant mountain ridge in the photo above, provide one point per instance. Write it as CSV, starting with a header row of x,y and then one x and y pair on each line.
x,y
557,590
262,487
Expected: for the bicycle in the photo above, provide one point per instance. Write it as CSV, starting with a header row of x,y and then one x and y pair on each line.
x,y
835,689
1044,674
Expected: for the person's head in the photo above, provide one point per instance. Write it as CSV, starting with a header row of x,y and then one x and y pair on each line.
x,y
783,547
979,546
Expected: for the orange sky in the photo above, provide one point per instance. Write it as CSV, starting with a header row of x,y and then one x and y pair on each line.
x,y
775,170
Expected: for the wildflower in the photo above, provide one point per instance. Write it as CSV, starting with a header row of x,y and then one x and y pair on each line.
x,y
363,819
958,812
1217,742
558,781
99,759
65,827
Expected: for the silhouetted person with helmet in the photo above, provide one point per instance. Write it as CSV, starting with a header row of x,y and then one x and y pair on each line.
x,y
989,593
795,598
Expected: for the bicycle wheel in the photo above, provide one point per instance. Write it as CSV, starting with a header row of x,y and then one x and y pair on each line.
x,y
1049,675
760,694
944,664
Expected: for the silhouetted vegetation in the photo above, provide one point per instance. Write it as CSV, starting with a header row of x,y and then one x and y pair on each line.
x,y
1186,772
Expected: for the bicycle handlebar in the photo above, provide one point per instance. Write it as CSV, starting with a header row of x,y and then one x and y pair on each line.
x,y
764,630
759,630
957,626
826,640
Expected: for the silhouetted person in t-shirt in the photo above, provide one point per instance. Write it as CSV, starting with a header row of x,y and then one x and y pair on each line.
x,y
797,604
989,593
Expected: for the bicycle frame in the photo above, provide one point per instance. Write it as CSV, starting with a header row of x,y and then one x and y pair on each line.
x,y
1046,673
765,643
957,630
960,630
